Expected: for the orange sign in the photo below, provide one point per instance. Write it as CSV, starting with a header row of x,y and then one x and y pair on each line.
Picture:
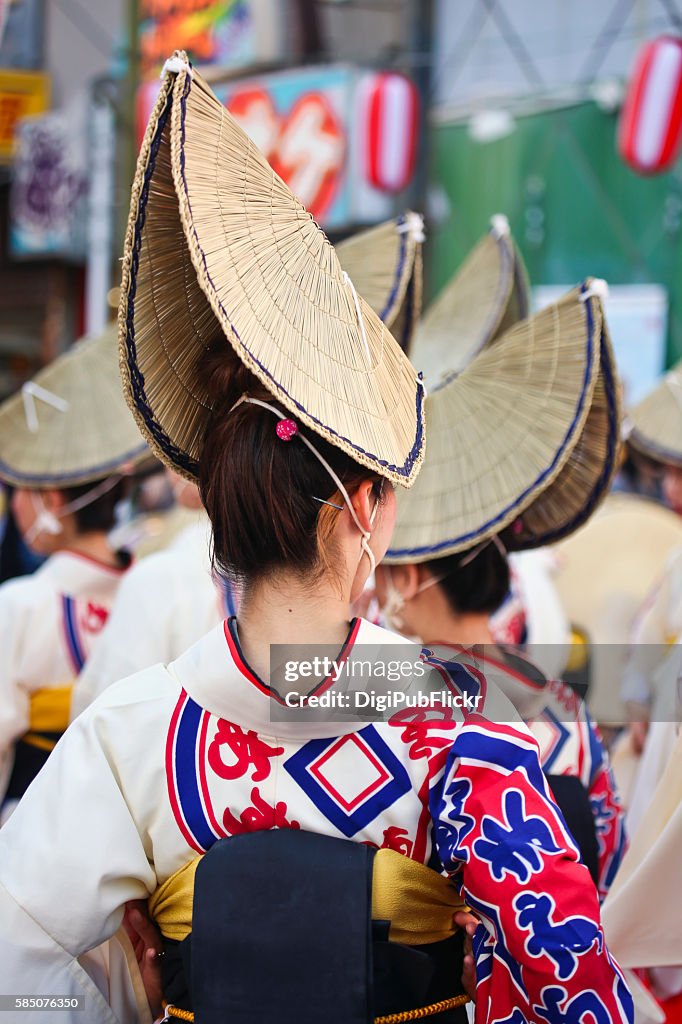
x,y
22,93
306,146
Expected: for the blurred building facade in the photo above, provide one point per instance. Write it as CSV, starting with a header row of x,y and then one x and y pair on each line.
x,y
526,100
296,72
523,102
48,53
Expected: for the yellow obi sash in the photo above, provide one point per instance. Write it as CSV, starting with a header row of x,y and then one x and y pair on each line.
x,y
418,902
579,651
49,713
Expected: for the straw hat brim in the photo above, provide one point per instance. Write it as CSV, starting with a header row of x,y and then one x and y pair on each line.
x,y
407,317
218,245
84,430
605,572
585,479
656,421
385,265
486,297
526,435
622,550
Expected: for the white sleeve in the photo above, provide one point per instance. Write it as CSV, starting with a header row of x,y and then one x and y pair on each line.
x,y
648,638
137,633
14,699
71,856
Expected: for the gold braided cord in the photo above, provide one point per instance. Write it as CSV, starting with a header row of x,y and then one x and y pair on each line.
x,y
423,1011
173,1012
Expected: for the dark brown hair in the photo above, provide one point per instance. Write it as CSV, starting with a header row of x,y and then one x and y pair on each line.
x,y
480,585
99,516
259,491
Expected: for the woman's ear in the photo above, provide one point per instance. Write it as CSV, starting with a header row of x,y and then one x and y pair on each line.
x,y
405,579
54,500
364,502
424,575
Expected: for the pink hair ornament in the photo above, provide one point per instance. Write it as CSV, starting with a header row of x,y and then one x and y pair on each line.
x,y
286,429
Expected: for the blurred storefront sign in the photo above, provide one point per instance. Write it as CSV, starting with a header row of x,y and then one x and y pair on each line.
x,y
224,33
329,132
22,93
50,184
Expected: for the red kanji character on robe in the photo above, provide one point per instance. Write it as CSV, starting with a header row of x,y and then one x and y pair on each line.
x,y
258,818
248,748
419,726
94,617
397,839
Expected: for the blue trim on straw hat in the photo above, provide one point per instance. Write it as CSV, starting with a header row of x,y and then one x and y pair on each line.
x,y
388,308
73,478
604,479
176,455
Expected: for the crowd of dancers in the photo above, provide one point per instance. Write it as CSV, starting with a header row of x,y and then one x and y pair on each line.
x,y
277,450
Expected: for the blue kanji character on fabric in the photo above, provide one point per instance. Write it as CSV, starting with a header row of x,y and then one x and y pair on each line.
x,y
603,813
515,1017
452,822
515,845
562,942
584,1006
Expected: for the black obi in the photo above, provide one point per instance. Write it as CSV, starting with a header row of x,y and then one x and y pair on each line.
x,y
282,931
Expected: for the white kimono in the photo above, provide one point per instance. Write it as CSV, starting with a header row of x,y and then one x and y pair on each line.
x,y
170,760
50,622
646,890
657,626
167,602
651,678
661,736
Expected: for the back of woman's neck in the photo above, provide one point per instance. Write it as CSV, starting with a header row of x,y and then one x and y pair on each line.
x,y
96,547
288,612
467,629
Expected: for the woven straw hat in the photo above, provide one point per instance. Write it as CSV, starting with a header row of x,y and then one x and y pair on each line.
x,y
487,295
522,443
655,423
70,424
217,244
385,265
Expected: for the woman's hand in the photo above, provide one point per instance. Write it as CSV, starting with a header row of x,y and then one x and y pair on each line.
x,y
638,734
148,945
468,923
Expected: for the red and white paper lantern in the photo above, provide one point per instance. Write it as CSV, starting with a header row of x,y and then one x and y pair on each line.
x,y
392,128
650,129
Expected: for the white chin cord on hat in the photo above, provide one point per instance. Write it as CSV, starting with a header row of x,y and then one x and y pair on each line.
x,y
294,432
395,602
49,522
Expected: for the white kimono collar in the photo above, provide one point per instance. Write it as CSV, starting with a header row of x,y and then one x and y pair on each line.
x,y
214,674
73,573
